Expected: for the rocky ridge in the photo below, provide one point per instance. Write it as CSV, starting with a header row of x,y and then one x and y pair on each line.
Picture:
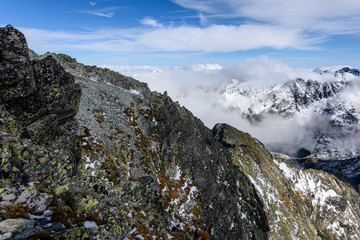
x,y
133,164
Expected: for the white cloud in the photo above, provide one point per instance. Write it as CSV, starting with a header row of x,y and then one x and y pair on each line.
x,y
150,22
223,38
329,16
92,3
215,38
105,12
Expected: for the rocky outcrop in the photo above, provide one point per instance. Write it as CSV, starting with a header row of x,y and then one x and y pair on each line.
x,y
132,164
38,145
33,89
299,204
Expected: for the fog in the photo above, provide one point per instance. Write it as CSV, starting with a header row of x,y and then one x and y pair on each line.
x,y
199,88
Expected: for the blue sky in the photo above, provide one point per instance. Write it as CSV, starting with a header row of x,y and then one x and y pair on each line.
x,y
306,33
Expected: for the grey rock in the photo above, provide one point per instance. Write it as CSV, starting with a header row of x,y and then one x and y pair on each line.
x,y
6,236
13,225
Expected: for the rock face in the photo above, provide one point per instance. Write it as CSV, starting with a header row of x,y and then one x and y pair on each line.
x,y
299,204
38,144
34,89
132,165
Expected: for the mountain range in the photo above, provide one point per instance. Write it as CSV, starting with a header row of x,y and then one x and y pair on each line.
x,y
326,113
88,153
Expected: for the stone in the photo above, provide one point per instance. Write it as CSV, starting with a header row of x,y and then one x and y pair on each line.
x,y
43,129
13,225
6,236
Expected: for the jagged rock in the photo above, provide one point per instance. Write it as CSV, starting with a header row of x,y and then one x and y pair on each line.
x,y
38,146
347,170
16,73
43,128
34,89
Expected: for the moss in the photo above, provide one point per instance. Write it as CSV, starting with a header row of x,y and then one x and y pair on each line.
x,y
85,205
15,211
61,189
42,234
43,160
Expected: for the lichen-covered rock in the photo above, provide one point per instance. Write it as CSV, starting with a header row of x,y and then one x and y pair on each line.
x,y
16,73
38,145
299,204
31,90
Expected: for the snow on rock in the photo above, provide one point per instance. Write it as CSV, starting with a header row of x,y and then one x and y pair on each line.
x,y
326,113
299,204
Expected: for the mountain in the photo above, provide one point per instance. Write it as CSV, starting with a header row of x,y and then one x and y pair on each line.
x,y
131,164
87,153
327,112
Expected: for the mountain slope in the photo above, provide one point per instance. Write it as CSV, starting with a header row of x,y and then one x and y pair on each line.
x,y
299,204
131,164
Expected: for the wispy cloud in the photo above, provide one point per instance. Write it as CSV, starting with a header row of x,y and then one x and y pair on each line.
x,y
150,22
326,16
203,19
104,12
92,3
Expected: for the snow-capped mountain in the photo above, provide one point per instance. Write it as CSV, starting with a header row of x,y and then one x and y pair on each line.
x,y
328,112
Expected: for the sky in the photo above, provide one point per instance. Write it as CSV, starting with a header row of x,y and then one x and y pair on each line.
x,y
306,33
